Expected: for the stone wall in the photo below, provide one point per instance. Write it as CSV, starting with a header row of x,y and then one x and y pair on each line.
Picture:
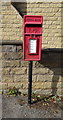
x,y
47,73
11,22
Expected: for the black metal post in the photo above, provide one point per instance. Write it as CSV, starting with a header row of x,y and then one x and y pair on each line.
x,y
30,82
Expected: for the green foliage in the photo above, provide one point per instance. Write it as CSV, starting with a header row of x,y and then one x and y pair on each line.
x,y
45,99
13,92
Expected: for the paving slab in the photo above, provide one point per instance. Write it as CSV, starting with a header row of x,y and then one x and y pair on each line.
x,y
17,107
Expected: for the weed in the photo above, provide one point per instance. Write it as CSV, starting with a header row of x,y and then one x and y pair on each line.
x,y
13,92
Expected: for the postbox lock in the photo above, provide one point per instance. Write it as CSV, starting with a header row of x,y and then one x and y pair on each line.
x,y
33,35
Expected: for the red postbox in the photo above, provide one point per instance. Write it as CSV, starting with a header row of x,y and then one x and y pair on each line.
x,y
32,43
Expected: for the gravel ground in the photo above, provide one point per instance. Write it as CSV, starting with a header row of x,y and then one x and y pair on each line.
x,y
17,107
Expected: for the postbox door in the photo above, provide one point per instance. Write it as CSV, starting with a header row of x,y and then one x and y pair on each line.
x,y
32,47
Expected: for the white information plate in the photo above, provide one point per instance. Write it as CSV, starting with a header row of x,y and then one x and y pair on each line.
x,y
32,46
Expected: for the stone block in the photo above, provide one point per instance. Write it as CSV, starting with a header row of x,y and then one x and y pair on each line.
x,y
8,48
24,63
42,85
5,71
56,71
49,78
3,86
10,63
12,55
18,85
55,5
37,64
43,92
34,78
7,79
21,78
19,71
6,37
40,70
46,85
44,78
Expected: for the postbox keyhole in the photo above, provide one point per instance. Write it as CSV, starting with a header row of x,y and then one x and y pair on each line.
x,y
33,36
